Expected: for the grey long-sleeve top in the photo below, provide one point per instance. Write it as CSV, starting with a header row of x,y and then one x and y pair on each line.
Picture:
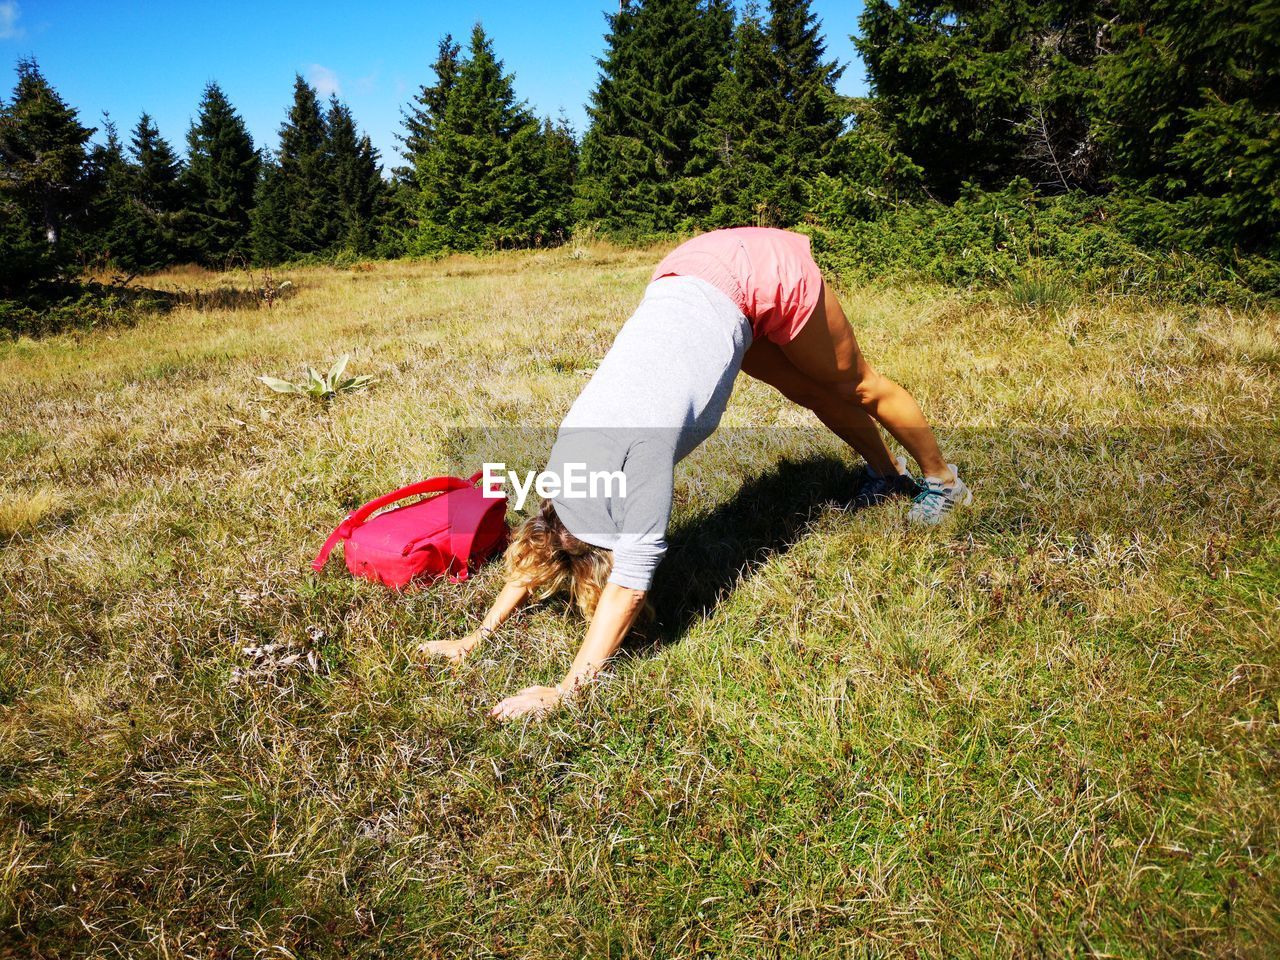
x,y
658,393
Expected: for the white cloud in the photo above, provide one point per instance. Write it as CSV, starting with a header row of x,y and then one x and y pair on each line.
x,y
324,80
9,13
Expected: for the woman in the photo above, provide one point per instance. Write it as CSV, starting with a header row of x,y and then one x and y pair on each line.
x,y
747,298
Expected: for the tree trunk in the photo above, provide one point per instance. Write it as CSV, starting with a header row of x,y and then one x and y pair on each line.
x,y
50,227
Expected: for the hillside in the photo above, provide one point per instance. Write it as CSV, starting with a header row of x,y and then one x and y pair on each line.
x,y
1049,728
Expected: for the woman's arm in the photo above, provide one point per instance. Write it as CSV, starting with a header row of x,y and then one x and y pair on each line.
x,y
506,603
615,613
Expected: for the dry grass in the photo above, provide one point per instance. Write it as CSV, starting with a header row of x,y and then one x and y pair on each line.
x,y
1051,728
24,510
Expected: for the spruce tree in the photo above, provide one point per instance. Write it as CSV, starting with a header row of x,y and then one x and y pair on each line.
x,y
773,121
808,111
355,176
480,181
155,211
307,189
322,191
605,177
221,180
403,230
557,174
867,175
741,125
105,229
985,92
45,174
269,223
426,112
1189,108
24,254
642,158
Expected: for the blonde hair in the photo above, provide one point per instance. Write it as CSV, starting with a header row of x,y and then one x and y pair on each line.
x,y
548,559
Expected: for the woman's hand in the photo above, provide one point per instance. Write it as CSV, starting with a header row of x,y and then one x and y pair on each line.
x,y
511,596
455,651
535,701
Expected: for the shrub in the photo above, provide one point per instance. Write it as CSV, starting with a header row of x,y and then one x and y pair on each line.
x,y
57,308
1016,237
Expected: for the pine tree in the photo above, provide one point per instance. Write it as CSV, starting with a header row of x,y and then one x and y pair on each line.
x,y
1190,109
426,112
105,228
480,180
303,158
156,208
46,176
269,223
642,156
221,180
985,92
740,127
355,175
558,172
807,108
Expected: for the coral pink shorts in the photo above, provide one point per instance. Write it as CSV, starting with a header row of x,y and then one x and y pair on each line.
x,y
770,274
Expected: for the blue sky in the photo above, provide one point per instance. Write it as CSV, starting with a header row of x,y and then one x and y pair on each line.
x,y
130,57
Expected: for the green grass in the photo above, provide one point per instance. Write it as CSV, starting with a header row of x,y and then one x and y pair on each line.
x,y
1051,728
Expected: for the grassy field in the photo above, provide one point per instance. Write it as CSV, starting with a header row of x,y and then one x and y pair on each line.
x,y
1051,728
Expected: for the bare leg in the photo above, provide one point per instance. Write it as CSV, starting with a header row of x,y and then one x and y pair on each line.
x,y
826,351
766,362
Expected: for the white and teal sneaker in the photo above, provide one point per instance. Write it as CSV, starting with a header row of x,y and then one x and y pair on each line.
x,y
877,489
936,500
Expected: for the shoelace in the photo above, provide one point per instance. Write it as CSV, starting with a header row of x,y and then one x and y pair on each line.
x,y
928,489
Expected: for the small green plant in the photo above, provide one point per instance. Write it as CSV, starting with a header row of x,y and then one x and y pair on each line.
x,y
322,387
1037,292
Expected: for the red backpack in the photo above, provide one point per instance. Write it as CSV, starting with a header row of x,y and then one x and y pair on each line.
x,y
446,534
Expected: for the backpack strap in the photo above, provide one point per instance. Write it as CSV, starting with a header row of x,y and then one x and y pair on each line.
x,y
361,514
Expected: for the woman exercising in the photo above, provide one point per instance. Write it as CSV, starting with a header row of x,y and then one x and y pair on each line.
x,y
747,298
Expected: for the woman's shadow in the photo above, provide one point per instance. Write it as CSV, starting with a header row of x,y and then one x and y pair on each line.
x,y
712,553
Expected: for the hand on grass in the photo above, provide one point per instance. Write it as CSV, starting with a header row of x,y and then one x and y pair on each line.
x,y
535,701
455,651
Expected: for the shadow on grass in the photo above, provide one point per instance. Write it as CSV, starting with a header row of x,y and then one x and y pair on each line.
x,y
712,553
54,308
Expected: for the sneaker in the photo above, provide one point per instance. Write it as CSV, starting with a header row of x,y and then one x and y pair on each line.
x,y
936,500
877,489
